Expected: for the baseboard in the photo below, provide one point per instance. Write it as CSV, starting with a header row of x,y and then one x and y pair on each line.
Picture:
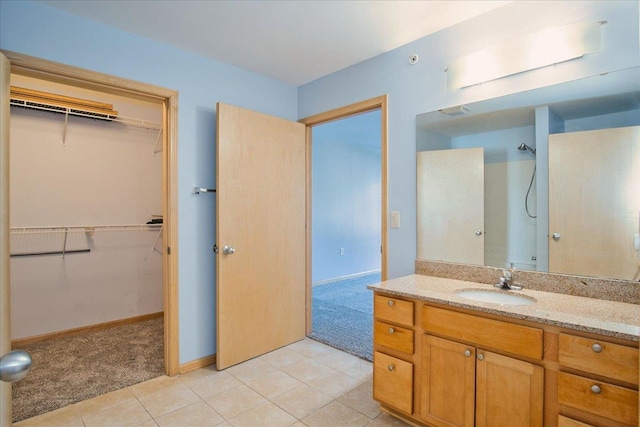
x,y
197,364
84,329
348,276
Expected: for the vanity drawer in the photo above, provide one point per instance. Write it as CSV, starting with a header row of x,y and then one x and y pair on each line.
x,y
393,310
516,339
610,401
393,382
395,337
599,357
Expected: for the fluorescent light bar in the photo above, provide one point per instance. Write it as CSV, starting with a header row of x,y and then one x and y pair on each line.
x,y
525,53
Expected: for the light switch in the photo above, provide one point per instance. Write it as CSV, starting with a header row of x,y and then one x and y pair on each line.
x,y
395,219
341,251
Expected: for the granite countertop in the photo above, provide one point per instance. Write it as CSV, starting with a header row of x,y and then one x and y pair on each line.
x,y
604,317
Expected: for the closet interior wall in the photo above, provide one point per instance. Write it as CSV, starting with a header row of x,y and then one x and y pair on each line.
x,y
101,179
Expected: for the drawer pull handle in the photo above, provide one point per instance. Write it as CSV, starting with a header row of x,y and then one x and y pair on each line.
x,y
392,331
391,302
467,353
391,367
480,356
596,389
597,348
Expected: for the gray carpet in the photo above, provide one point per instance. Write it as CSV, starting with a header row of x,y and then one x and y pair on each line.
x,y
70,369
343,315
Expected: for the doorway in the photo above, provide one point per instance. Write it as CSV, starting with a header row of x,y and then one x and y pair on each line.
x,y
22,65
346,207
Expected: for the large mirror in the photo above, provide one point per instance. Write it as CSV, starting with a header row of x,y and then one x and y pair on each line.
x,y
545,180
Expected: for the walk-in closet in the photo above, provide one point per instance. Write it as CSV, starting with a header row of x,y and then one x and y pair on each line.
x,y
86,239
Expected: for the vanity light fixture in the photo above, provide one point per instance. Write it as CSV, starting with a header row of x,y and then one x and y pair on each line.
x,y
525,53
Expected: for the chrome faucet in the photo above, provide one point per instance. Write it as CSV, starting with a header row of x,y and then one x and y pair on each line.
x,y
507,283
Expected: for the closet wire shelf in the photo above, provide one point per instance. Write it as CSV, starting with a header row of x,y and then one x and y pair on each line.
x,y
127,121
87,229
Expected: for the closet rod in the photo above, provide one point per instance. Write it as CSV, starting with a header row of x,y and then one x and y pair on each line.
x,y
86,228
75,251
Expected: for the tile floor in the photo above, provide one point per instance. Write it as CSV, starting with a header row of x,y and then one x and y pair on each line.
x,y
304,384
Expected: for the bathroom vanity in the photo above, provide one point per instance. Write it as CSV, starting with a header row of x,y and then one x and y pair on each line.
x,y
441,359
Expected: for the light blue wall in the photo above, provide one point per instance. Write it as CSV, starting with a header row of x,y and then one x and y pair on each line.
x,y
420,88
346,197
38,30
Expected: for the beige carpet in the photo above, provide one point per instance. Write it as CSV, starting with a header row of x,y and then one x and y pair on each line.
x,y
70,369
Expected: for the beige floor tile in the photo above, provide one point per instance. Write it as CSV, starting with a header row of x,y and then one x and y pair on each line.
x,y
63,417
148,424
384,420
267,414
250,369
235,401
307,369
337,359
105,401
361,399
151,386
128,414
310,348
195,415
213,384
299,424
360,369
198,374
302,401
336,414
272,384
282,357
334,384
169,399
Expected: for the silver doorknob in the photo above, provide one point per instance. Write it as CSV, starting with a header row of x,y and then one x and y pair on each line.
x,y
14,366
595,389
478,233
597,348
228,250
480,356
467,353
556,236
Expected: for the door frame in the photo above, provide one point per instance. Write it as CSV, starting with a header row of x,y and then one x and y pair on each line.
x,y
54,71
379,102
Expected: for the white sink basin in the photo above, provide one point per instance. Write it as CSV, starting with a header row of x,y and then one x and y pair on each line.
x,y
495,297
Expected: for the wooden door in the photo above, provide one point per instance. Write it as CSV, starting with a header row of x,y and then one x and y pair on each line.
x,y
5,303
448,382
594,202
260,208
509,392
450,205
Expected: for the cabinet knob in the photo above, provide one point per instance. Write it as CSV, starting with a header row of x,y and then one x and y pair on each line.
x,y
391,367
392,331
480,356
467,353
391,302
597,348
595,389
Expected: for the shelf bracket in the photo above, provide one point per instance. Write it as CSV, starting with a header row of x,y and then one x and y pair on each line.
x,y
157,238
155,147
64,245
64,131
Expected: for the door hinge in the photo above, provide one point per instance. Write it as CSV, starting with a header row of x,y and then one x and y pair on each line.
x,y
168,250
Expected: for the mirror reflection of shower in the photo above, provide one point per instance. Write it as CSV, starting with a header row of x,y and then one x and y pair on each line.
x,y
525,147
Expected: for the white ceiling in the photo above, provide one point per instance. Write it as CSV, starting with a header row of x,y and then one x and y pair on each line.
x,y
295,41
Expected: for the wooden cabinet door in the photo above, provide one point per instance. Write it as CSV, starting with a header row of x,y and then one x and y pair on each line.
x,y
448,382
509,392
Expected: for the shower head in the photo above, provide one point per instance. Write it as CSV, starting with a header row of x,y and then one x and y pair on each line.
x,y
523,147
